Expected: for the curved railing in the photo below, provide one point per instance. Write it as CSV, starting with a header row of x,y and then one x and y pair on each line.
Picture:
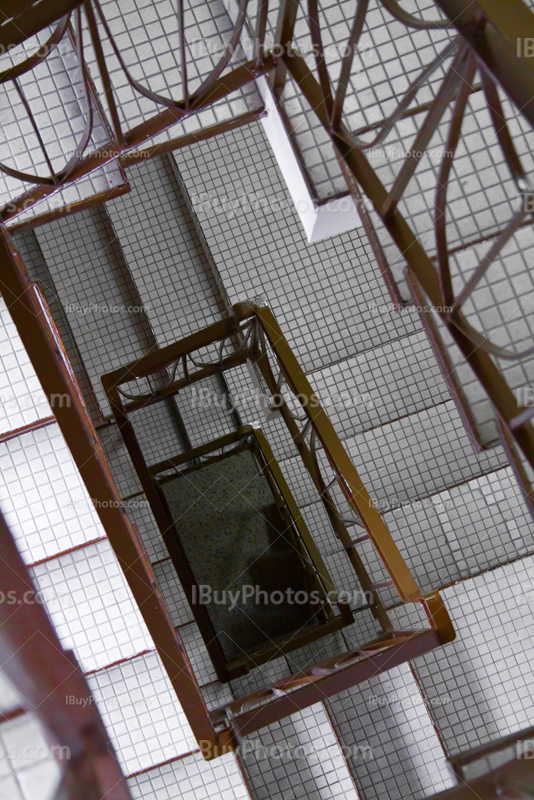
x,y
479,48
483,301
85,25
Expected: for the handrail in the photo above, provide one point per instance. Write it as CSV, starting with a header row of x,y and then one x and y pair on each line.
x,y
253,331
345,473
22,21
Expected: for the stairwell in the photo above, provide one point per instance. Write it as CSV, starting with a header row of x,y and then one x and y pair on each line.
x,y
204,227
455,513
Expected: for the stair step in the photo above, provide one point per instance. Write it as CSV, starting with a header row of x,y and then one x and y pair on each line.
x,y
140,513
443,538
479,685
363,392
173,593
298,756
91,606
22,400
138,704
321,294
163,253
482,194
96,291
408,459
400,378
363,630
205,416
260,677
190,778
507,325
43,497
388,738
119,462
250,405
484,181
